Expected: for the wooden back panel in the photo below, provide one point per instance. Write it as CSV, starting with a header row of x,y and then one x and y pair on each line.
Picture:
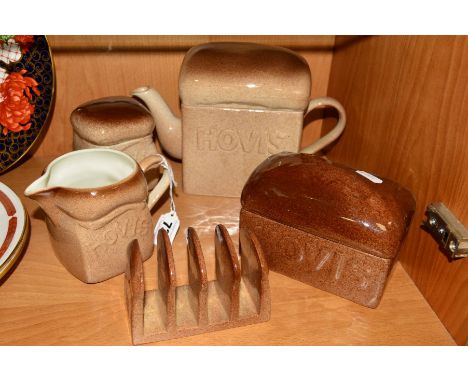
x,y
407,105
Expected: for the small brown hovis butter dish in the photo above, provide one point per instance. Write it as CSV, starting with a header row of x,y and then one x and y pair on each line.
x,y
327,225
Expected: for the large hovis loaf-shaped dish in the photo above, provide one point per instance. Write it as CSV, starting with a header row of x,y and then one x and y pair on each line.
x,y
327,225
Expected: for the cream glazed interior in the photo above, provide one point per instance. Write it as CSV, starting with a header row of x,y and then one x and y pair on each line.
x,y
95,168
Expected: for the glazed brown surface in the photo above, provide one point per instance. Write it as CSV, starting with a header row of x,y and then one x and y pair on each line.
x,y
110,120
90,228
236,298
222,147
324,264
331,201
244,73
94,203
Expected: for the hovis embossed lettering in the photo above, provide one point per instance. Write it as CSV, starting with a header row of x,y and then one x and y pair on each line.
x,y
241,103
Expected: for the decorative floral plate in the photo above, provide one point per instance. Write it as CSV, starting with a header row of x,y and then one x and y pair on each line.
x,y
14,228
26,93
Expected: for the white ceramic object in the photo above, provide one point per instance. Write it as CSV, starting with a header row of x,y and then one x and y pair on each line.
x,y
13,223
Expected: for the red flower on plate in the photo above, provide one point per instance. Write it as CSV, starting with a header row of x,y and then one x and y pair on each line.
x,y
15,106
25,42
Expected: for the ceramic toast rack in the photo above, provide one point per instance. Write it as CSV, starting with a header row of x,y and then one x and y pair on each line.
x,y
239,296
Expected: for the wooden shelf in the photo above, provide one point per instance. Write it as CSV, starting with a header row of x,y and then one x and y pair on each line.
x,y
144,43
42,304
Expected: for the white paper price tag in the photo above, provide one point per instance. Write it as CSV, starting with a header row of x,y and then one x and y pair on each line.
x,y
371,177
170,223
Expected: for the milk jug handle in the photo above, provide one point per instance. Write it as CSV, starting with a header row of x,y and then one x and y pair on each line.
x,y
335,132
163,184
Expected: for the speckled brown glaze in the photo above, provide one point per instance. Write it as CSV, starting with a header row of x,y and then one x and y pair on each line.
x,y
326,225
244,73
241,103
90,228
239,296
121,123
223,146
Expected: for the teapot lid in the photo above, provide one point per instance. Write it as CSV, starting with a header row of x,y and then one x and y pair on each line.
x,y
246,75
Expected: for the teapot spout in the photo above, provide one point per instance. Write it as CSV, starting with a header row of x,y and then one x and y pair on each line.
x,y
168,126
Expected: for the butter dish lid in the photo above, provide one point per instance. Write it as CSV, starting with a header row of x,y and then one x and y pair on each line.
x,y
332,201
111,120
244,74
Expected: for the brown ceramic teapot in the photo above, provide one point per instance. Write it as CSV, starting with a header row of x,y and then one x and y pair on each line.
x,y
241,103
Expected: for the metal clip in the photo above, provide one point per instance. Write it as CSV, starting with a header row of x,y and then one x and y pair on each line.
x,y
447,230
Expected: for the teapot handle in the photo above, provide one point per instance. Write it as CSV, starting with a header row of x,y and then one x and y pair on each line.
x,y
163,183
335,132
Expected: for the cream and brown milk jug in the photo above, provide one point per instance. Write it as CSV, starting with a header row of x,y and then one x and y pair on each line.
x,y
240,103
96,202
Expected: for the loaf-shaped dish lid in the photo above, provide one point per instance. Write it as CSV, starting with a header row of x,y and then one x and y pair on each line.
x,y
331,201
111,120
244,75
